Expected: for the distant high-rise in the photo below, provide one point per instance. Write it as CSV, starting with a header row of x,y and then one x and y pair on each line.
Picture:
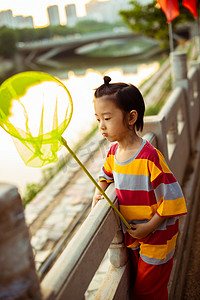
x,y
23,22
53,15
6,18
106,11
71,14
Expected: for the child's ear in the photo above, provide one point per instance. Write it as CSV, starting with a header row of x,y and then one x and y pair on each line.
x,y
133,115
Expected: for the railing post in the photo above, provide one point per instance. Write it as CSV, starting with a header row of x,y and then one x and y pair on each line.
x,y
18,278
179,79
179,69
118,253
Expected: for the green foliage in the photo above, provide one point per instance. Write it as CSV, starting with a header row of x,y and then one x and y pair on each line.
x,y
151,21
8,40
31,191
82,27
153,110
9,37
32,34
87,26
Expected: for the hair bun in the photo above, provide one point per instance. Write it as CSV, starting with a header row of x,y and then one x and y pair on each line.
x,y
106,79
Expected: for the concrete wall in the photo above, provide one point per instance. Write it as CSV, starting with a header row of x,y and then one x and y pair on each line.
x,y
18,278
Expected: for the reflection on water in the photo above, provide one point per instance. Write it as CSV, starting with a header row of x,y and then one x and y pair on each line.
x,y
81,83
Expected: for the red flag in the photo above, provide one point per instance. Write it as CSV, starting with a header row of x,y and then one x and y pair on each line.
x,y
192,6
170,8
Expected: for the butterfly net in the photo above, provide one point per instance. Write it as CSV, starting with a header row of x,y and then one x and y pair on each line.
x,y
35,109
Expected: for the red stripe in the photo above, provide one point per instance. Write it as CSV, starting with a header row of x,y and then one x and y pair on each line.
x,y
128,240
113,149
160,237
150,153
166,178
107,173
136,197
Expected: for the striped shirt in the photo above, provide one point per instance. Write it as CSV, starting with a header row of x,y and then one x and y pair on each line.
x,y
144,186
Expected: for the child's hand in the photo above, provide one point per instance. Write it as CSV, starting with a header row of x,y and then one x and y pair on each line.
x,y
96,199
139,231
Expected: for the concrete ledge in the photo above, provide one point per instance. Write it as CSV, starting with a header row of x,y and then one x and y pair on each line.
x,y
121,287
74,269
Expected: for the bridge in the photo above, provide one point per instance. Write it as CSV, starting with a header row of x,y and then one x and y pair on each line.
x,y
42,51
175,132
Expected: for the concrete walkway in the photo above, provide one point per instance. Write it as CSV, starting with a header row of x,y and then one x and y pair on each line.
x,y
191,289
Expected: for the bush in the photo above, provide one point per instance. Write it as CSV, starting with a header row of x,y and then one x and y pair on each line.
x,y
8,39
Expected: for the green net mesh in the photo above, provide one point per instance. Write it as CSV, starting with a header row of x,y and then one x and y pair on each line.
x,y
35,108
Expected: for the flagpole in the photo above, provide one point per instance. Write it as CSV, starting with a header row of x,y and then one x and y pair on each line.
x,y
171,43
198,35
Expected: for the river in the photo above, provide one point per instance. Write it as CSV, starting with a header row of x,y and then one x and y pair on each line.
x,y
81,75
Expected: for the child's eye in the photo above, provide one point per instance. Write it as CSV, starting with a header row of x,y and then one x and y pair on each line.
x,y
98,120
107,119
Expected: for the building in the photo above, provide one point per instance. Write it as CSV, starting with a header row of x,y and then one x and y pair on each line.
x,y
6,18
23,22
106,11
71,15
53,15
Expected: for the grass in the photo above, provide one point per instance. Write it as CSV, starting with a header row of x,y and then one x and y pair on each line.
x,y
154,109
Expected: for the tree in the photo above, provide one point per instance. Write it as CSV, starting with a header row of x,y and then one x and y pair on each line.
x,y
150,20
8,40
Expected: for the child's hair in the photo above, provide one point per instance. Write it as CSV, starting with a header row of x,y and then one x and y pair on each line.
x,y
126,96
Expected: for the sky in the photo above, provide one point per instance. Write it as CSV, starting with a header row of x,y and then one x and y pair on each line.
x,y
38,8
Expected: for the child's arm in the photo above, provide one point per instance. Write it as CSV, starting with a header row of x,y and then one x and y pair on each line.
x,y
97,194
140,231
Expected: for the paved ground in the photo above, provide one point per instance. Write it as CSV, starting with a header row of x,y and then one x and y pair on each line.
x,y
192,280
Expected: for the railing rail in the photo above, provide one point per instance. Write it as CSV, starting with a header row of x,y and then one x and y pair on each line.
x,y
73,271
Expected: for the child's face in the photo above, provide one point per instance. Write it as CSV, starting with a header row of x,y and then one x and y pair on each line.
x,y
110,120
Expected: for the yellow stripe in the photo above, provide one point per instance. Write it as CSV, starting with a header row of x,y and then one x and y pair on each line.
x,y
158,251
108,181
108,165
163,163
137,167
138,212
135,244
172,207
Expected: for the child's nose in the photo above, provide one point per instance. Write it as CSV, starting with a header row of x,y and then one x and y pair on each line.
x,y
102,125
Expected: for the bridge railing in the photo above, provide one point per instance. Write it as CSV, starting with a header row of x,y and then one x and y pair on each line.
x,y
172,131
193,101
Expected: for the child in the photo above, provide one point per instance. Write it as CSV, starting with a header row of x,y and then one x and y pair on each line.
x,y
149,196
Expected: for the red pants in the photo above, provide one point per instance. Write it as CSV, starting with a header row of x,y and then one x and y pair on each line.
x,y
151,280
